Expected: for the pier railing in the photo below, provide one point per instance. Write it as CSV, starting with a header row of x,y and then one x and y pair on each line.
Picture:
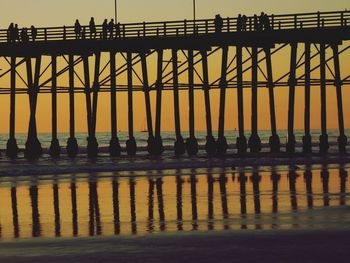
x,y
191,27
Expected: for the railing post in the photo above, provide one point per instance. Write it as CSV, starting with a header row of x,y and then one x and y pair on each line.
x,y
64,33
228,24
206,26
342,18
144,29
272,22
318,19
164,29
45,32
295,22
185,27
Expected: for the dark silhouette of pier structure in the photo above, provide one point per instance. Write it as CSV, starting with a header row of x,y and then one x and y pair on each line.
x,y
196,41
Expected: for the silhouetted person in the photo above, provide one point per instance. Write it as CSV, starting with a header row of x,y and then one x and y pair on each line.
x,y
261,21
219,23
239,23
24,35
92,27
16,33
267,22
104,29
77,29
11,33
83,33
117,30
256,23
111,28
34,32
244,23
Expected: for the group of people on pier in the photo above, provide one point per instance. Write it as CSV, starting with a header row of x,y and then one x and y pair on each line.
x,y
110,29
260,23
14,34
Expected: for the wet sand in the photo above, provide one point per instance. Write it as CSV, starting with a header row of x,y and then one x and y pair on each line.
x,y
246,246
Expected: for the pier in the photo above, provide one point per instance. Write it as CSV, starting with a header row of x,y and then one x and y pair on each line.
x,y
315,42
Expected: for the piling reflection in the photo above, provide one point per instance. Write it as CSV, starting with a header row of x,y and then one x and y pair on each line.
x,y
201,200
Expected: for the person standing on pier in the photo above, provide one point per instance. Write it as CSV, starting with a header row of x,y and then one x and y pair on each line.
x,y
219,23
117,30
92,27
256,23
77,29
15,33
239,23
111,28
244,23
34,32
104,29
11,33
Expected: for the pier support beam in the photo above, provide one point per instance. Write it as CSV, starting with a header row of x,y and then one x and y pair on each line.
x,y
92,146
254,140
241,140
307,140
33,148
191,142
55,148
210,145
342,139
291,104
324,145
131,146
72,144
221,141
114,145
274,141
180,147
12,148
158,142
150,141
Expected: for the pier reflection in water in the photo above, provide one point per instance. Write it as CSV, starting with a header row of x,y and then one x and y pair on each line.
x,y
202,200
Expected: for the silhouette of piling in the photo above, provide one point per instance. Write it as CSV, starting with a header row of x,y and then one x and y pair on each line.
x,y
55,148
114,145
179,146
191,142
342,139
307,140
33,148
150,141
131,146
254,140
158,142
324,145
241,141
72,144
210,145
274,140
292,83
12,148
221,141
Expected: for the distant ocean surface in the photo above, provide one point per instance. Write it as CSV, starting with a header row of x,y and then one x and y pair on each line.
x,y
103,138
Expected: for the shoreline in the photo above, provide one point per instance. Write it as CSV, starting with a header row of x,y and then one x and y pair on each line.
x,y
143,162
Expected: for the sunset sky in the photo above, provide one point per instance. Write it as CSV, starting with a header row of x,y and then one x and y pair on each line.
x,y
56,13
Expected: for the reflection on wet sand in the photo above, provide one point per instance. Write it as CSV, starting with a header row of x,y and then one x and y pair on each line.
x,y
193,202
